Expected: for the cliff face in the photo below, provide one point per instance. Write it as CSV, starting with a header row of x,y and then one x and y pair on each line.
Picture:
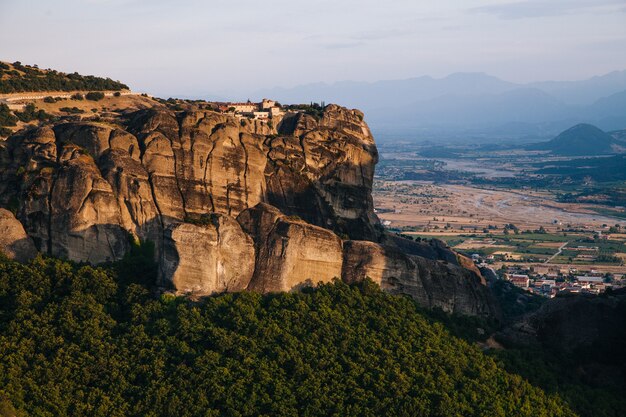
x,y
432,283
290,252
216,256
14,242
230,204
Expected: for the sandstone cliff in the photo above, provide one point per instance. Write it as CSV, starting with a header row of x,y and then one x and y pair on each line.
x,y
432,283
14,242
215,256
230,203
290,252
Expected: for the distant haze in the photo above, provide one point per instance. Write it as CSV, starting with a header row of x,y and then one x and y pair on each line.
x,y
473,106
232,48
437,54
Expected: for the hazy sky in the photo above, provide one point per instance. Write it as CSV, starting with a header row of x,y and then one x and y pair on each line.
x,y
185,47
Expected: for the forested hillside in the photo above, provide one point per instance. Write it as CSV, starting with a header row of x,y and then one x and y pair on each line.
x,y
17,78
77,340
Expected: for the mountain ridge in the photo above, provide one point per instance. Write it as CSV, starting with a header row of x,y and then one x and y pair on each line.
x,y
407,105
580,140
615,81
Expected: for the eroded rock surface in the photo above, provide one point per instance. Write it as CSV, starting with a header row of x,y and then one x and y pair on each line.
x,y
208,258
163,167
85,220
432,283
14,242
291,253
83,190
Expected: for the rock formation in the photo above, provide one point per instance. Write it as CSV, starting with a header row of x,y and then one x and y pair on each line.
x,y
215,256
290,252
83,190
14,242
432,283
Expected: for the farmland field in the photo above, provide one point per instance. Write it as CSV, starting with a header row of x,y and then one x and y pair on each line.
x,y
498,205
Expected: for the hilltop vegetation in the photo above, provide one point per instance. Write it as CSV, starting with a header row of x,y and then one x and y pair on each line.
x,y
91,341
7,118
30,113
17,78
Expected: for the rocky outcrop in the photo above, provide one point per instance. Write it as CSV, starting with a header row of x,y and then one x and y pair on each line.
x,y
258,222
322,171
14,242
385,265
432,283
26,178
84,190
215,256
132,188
290,252
431,249
85,220
62,200
164,167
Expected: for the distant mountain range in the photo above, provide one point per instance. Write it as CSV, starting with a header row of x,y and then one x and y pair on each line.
x,y
473,105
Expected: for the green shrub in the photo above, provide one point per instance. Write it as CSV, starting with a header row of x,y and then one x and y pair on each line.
x,y
72,110
5,132
6,117
31,113
94,95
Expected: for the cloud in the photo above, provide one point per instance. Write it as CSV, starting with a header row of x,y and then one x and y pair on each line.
x,y
538,8
380,34
356,38
343,45
353,40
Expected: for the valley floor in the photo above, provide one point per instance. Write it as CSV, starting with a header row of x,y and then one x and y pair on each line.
x,y
506,227
432,207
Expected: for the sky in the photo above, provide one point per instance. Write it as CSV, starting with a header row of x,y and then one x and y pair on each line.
x,y
205,47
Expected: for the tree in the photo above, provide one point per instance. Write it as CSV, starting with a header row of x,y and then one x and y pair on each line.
x,y
98,341
6,117
94,95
